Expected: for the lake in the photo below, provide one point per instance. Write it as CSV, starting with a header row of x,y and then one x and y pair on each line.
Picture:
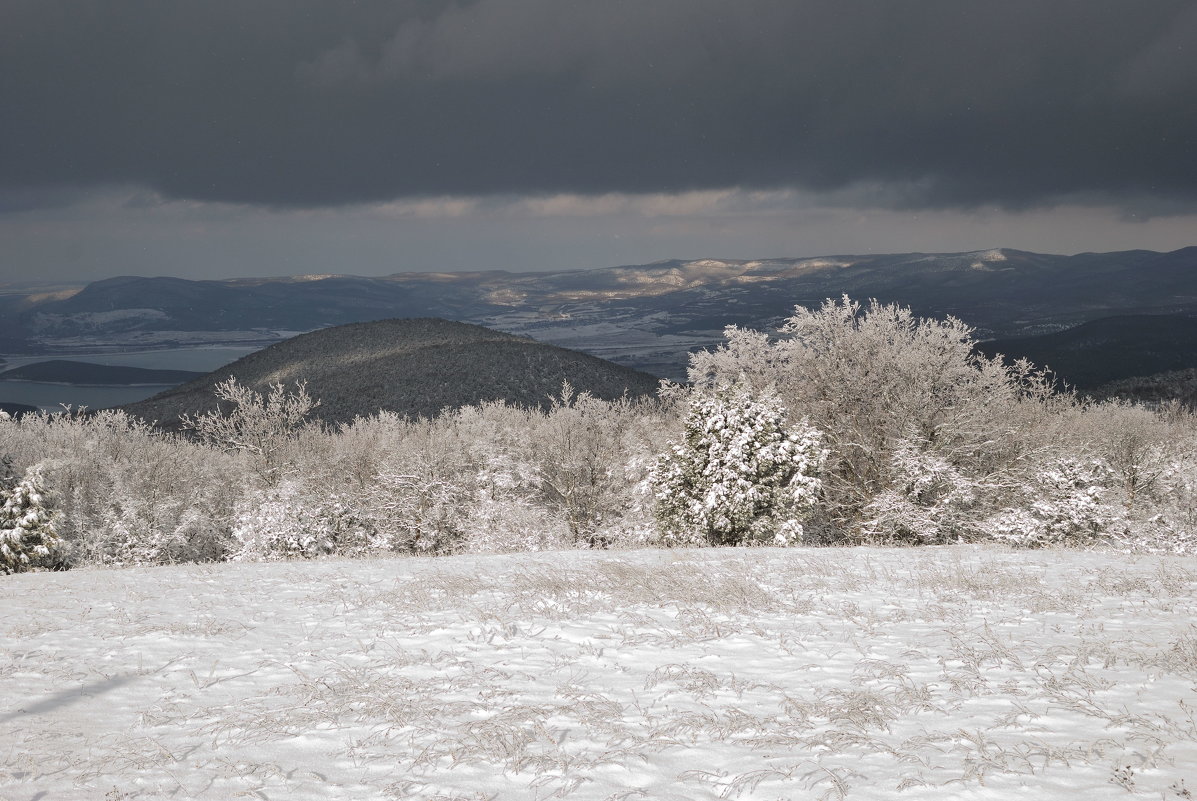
x,y
53,396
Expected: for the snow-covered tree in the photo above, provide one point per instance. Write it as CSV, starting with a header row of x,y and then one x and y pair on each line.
x,y
740,474
287,522
870,376
1066,507
259,425
27,535
8,474
925,501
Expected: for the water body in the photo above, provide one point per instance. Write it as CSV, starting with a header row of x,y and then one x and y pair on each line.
x,y
52,396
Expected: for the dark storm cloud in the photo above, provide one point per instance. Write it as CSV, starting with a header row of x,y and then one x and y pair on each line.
x,y
297,102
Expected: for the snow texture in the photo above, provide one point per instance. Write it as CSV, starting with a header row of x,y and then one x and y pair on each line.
x,y
936,673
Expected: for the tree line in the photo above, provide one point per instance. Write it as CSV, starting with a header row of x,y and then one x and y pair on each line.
x,y
853,424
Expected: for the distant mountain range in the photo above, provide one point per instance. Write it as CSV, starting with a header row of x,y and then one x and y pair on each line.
x,y
416,367
644,316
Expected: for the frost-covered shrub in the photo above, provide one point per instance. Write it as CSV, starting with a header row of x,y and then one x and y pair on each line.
x,y
503,525
172,504
419,492
259,425
870,377
28,538
1141,446
498,477
740,474
128,493
1065,506
8,473
418,513
1160,533
1170,525
585,458
927,499
637,525
285,522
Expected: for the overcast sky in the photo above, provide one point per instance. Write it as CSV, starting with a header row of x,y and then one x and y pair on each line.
x,y
222,138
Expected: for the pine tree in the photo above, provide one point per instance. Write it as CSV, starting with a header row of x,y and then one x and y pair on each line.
x,y
27,535
738,475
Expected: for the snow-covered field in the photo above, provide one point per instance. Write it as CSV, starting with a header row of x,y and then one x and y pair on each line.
x,y
934,673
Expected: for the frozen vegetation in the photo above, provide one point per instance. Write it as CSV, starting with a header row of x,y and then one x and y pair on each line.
x,y
946,672
853,425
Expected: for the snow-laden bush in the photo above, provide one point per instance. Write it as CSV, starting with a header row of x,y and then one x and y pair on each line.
x,y
414,512
128,493
8,473
1170,524
286,522
1160,533
871,376
172,504
28,538
1065,505
927,499
131,533
510,524
259,425
420,488
498,477
637,525
739,474
1141,446
581,461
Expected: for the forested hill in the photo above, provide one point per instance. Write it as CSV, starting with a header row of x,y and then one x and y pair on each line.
x,y
1109,349
415,367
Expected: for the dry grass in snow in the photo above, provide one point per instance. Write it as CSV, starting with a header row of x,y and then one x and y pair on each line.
x,y
713,674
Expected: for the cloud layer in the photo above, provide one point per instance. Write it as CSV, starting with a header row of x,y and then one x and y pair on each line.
x,y
939,103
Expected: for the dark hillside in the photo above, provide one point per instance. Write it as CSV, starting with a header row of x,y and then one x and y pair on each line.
x,y
415,367
1153,390
16,409
1109,349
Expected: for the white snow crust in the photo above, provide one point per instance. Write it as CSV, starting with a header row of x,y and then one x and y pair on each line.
x,y
933,673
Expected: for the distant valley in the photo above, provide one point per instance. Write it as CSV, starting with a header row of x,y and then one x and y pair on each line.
x,y
648,317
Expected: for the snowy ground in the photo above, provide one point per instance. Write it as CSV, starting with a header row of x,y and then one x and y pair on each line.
x,y
938,673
